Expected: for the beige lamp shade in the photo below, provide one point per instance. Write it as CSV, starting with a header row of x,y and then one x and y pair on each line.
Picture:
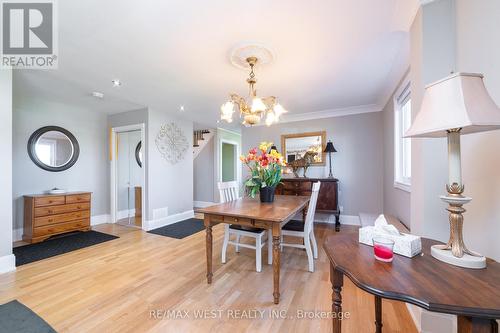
x,y
457,101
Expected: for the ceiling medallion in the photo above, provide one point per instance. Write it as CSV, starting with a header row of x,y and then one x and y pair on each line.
x,y
256,108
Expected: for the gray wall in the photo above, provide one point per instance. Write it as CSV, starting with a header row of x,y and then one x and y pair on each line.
x,y
6,152
170,185
357,164
396,201
203,173
90,173
478,50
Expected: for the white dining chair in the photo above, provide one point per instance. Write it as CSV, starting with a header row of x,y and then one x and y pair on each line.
x,y
228,192
304,230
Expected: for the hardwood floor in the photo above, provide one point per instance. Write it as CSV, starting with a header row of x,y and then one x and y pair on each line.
x,y
128,284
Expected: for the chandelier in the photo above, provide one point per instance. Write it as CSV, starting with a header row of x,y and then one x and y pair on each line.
x,y
257,108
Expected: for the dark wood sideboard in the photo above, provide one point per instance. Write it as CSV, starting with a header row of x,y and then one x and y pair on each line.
x,y
327,198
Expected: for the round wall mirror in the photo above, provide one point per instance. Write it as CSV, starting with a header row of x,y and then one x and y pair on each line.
x,y
138,153
53,148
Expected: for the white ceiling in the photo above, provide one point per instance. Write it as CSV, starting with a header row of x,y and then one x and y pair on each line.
x,y
330,55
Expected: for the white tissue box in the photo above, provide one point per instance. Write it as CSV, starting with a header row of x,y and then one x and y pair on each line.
x,y
406,244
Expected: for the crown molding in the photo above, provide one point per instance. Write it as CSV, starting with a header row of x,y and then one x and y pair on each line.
x,y
329,113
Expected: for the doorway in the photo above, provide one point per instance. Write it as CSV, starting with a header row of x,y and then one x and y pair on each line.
x,y
128,175
228,162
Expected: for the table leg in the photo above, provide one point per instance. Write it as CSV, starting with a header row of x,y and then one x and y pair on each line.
x,y
378,314
276,261
476,325
337,280
208,227
337,222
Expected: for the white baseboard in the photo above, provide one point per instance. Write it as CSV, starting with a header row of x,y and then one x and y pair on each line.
x,y
349,220
123,214
330,218
203,204
17,234
100,219
153,224
416,314
432,322
7,263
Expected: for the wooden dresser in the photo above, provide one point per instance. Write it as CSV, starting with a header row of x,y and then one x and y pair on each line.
x,y
327,198
46,215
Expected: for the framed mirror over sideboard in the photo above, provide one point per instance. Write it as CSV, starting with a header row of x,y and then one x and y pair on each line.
x,y
295,146
302,146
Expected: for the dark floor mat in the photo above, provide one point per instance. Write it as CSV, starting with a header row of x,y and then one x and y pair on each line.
x,y
16,317
55,246
180,229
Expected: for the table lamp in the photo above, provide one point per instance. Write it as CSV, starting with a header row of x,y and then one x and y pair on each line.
x,y
330,149
458,104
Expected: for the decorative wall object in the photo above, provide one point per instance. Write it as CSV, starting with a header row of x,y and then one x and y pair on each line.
x,y
295,146
172,143
53,148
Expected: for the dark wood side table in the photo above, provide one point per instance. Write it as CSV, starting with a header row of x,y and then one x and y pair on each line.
x,y
328,197
472,295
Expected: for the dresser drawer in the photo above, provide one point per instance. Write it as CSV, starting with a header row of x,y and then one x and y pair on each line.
x,y
53,219
51,210
305,186
290,185
60,228
77,198
50,201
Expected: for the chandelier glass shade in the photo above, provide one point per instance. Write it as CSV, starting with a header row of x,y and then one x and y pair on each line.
x,y
253,111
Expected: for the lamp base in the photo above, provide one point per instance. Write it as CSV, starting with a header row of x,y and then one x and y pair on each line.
x,y
467,261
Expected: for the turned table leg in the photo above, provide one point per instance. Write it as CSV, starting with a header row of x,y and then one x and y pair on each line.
x,y
337,280
276,231
476,325
208,227
378,314
337,222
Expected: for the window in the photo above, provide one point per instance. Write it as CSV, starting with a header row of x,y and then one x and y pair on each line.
x,y
402,147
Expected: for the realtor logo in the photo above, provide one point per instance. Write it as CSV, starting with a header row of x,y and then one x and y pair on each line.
x,y
28,34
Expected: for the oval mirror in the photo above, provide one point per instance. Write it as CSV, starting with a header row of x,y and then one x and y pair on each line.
x,y
138,153
53,148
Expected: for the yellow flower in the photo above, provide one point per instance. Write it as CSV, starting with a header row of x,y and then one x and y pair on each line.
x,y
264,146
275,154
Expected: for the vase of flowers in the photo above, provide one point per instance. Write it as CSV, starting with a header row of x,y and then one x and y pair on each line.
x,y
266,167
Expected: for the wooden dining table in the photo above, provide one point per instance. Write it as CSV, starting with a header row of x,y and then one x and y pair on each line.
x,y
252,213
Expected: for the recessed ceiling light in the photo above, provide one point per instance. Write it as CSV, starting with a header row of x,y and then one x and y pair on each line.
x,y
116,83
98,94
181,108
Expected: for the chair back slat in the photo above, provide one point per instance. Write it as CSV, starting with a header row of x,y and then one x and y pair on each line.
x,y
228,191
312,207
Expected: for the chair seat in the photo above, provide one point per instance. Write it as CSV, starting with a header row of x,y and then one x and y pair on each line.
x,y
245,228
294,225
